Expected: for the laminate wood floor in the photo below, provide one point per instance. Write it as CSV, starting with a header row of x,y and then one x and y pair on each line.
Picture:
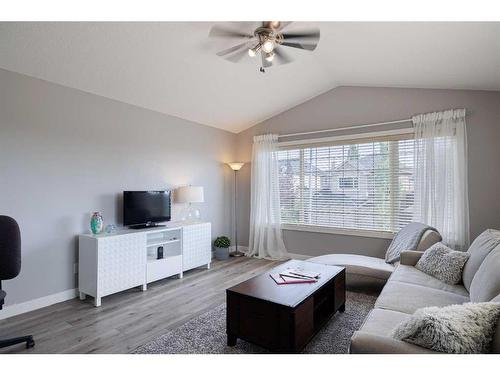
x,y
132,318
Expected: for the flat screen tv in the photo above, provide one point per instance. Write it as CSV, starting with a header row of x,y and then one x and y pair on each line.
x,y
143,209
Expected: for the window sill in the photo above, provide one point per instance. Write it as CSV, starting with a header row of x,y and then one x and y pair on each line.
x,y
345,232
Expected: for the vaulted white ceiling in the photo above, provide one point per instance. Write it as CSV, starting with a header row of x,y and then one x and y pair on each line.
x,y
172,68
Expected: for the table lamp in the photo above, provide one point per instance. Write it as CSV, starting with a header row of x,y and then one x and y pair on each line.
x,y
190,194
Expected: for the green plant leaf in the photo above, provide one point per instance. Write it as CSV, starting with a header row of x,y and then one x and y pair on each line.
x,y
222,241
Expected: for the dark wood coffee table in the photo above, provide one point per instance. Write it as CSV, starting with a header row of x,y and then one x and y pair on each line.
x,y
284,318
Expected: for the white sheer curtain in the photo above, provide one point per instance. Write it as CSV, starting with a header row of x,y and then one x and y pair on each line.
x,y
265,233
441,197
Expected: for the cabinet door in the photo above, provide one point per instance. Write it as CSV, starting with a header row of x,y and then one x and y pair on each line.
x,y
121,263
196,245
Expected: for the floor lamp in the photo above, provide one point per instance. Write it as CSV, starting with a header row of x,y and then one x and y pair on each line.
x,y
236,167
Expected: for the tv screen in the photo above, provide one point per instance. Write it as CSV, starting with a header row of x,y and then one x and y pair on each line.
x,y
145,207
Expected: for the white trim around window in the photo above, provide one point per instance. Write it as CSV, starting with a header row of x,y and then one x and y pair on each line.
x,y
340,231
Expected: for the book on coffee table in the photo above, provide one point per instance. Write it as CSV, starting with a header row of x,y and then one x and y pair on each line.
x,y
283,279
300,274
311,274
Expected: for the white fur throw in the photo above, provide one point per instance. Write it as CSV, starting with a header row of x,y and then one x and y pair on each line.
x,y
443,263
458,329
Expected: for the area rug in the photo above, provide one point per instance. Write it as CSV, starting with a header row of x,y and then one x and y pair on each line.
x,y
206,334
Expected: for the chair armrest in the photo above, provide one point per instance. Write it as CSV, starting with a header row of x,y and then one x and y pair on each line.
x,y
369,343
410,257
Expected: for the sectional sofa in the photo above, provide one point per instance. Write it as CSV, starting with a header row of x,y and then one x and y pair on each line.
x,y
409,289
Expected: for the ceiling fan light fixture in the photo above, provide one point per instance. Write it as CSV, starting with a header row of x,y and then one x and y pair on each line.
x,y
252,52
269,42
268,46
269,56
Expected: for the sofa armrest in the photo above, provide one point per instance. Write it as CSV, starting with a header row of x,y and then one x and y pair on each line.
x,y
369,343
410,257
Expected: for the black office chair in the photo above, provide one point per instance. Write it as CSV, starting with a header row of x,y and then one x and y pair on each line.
x,y
10,266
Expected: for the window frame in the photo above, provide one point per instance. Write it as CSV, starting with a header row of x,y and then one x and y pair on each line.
x,y
353,185
305,143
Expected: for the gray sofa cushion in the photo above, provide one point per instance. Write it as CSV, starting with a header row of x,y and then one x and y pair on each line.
x,y
443,263
374,335
368,343
478,251
411,275
486,282
458,329
407,298
382,322
358,264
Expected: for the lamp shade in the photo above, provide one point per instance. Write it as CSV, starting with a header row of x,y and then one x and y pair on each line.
x,y
189,194
236,166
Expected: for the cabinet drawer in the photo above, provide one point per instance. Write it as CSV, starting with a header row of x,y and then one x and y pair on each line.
x,y
161,268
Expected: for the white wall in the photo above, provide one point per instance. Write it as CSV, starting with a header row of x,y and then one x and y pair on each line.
x,y
66,153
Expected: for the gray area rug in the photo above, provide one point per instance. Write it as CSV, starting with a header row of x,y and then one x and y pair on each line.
x,y
206,334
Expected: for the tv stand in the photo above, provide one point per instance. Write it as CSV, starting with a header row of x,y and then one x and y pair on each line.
x,y
112,262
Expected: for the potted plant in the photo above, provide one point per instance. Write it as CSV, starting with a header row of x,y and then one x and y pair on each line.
x,y
221,245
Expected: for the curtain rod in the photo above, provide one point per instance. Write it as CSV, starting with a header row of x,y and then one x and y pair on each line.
x,y
345,128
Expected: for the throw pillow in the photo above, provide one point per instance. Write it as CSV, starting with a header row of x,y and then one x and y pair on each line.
x,y
457,329
443,263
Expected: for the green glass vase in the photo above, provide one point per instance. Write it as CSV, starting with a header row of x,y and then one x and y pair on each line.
x,y
96,223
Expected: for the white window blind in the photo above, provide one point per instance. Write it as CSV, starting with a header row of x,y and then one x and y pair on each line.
x,y
362,184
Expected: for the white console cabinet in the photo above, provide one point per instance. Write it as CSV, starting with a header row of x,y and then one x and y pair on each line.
x,y
110,263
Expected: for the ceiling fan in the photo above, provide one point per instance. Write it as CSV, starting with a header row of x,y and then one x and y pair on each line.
x,y
267,42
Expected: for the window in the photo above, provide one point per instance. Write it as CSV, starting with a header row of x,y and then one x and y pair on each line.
x,y
348,183
363,184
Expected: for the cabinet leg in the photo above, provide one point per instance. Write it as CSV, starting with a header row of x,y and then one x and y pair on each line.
x,y
97,301
208,266
342,308
82,296
181,275
231,340
144,287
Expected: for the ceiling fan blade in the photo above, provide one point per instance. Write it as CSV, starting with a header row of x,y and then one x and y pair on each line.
x,y
232,49
281,57
284,24
306,34
306,46
219,31
235,57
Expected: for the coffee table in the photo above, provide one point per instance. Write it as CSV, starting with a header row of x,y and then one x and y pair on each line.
x,y
284,318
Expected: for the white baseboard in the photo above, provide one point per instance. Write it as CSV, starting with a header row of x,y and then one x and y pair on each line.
x,y
38,303
243,249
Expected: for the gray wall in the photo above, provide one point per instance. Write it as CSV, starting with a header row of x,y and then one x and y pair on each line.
x,y
65,153
346,106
